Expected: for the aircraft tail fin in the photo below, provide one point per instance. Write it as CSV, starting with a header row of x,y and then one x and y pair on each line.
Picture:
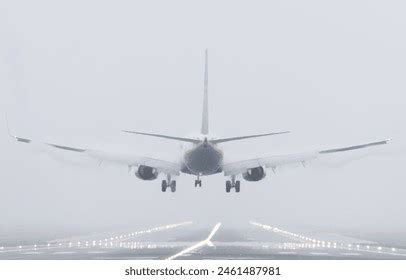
x,y
205,115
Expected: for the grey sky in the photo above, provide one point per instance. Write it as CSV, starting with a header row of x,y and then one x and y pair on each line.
x,y
77,72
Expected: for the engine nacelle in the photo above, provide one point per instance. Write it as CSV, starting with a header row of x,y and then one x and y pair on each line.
x,y
254,174
146,173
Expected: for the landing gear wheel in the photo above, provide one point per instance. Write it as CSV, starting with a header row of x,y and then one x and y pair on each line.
x,y
228,186
237,186
198,183
164,185
233,184
173,186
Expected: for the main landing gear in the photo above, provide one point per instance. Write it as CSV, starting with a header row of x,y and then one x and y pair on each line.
x,y
198,182
232,184
169,183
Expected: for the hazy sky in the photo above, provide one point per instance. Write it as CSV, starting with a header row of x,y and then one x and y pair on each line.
x,y
77,72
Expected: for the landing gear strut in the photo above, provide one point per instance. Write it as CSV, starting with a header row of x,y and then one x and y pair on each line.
x,y
232,184
169,183
198,182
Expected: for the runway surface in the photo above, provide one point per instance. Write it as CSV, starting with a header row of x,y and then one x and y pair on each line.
x,y
190,240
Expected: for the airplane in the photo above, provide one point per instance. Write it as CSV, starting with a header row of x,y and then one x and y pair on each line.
x,y
204,158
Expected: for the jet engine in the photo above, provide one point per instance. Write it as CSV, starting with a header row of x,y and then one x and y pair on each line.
x,y
146,173
254,174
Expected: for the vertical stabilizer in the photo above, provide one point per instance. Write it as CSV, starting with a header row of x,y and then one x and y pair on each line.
x,y
205,115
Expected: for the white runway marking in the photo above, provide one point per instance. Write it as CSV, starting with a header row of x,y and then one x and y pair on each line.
x,y
287,253
350,254
382,252
22,250
97,252
31,253
64,253
319,253
197,245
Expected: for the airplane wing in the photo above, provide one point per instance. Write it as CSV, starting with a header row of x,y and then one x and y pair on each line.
x,y
239,167
166,167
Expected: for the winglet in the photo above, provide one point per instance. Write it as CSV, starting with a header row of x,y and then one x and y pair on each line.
x,y
19,139
8,127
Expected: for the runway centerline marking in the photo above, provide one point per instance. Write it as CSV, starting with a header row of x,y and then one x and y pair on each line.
x,y
202,243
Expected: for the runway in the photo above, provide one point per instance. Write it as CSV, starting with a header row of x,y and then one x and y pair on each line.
x,y
190,240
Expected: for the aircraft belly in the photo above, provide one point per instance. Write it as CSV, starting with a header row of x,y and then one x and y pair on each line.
x,y
204,160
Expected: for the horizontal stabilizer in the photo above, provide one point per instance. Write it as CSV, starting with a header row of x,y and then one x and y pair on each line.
x,y
164,136
222,140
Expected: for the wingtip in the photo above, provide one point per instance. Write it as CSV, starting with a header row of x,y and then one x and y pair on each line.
x,y
282,132
8,127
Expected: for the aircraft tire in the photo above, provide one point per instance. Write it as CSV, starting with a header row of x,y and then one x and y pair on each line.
x,y
228,186
173,186
237,186
164,185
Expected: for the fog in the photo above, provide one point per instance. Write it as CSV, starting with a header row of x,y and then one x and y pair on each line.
x,y
78,72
